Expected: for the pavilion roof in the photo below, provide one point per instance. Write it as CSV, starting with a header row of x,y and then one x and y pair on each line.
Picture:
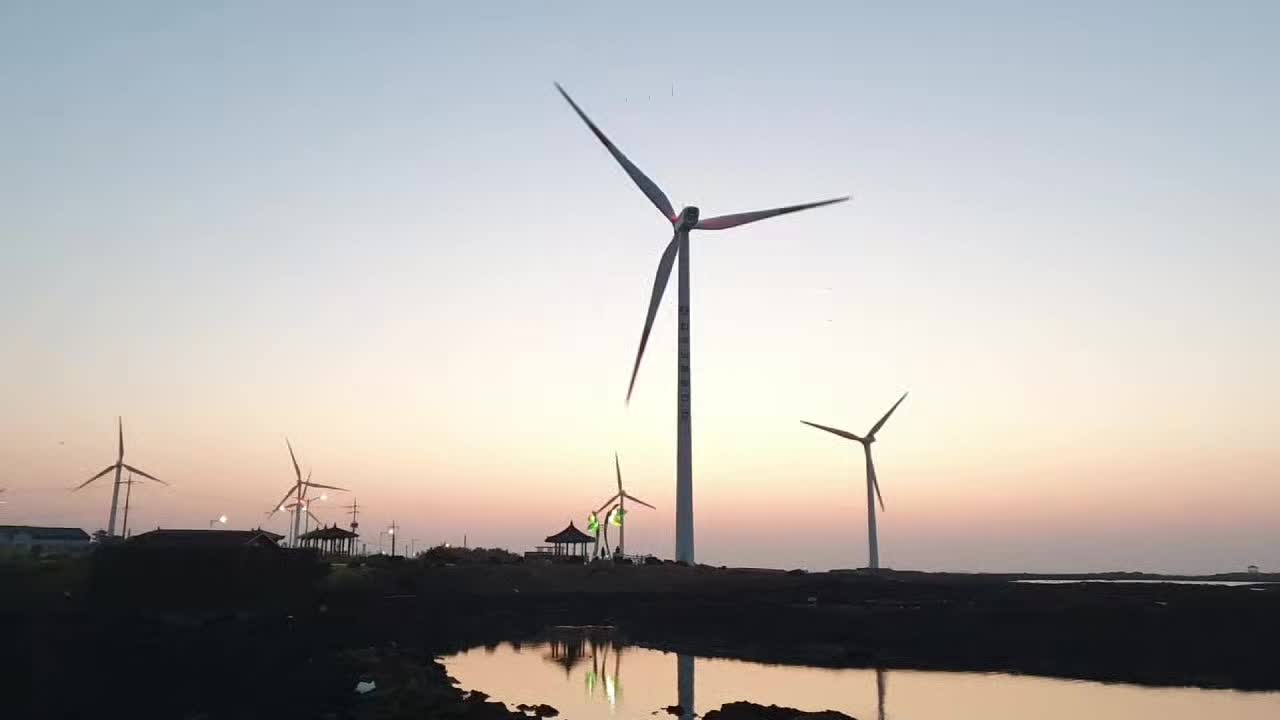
x,y
570,534
330,533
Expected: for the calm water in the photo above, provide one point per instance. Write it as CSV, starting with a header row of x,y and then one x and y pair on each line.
x,y
1221,583
600,680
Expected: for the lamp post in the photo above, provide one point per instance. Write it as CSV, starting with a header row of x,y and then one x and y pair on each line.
x,y
392,532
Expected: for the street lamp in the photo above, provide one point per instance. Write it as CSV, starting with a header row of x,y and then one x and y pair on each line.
x,y
221,519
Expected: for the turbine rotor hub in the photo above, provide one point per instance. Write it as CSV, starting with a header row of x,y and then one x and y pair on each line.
x,y
688,218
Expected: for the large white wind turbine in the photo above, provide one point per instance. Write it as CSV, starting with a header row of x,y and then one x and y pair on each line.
x,y
299,492
118,466
873,486
683,222
618,516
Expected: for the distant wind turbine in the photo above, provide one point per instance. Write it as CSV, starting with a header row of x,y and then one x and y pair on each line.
x,y
299,492
118,466
683,222
618,515
873,486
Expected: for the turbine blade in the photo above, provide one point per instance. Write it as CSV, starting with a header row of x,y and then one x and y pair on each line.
x,y
647,186
659,286
633,498
618,466
325,487
883,420
276,508
313,517
724,222
834,431
871,474
108,469
120,430
607,502
131,468
296,470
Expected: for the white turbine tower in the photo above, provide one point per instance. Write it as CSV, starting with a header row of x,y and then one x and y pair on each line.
x,y
619,515
873,486
118,466
685,221
299,492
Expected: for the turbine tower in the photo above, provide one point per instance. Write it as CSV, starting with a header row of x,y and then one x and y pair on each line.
x,y
618,515
683,222
873,486
118,466
299,492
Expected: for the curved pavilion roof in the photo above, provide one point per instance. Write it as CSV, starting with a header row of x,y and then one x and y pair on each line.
x,y
570,535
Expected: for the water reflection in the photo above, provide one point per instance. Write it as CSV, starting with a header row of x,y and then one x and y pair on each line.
x,y
880,690
684,686
579,671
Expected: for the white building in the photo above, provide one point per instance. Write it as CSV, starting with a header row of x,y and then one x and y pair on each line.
x,y
43,540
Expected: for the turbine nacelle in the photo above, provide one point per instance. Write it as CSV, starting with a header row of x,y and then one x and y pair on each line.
x,y
687,220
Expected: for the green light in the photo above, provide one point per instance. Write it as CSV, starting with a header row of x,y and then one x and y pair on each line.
x,y
593,524
615,517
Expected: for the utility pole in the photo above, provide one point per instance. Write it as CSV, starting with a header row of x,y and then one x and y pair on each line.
x,y
354,507
124,531
392,533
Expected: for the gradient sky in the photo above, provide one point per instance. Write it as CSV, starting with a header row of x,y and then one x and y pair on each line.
x,y
379,231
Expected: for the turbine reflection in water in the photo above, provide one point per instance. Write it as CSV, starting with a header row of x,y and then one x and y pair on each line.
x,y
528,676
684,686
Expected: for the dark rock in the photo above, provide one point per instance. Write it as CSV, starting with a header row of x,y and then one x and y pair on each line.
x,y
545,711
676,710
751,711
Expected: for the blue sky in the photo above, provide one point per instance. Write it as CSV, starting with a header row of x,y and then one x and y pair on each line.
x,y
379,230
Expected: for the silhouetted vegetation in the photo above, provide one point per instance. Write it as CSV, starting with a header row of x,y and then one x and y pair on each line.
x,y
447,555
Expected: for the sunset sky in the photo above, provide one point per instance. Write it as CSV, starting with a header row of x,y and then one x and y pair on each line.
x,y
381,233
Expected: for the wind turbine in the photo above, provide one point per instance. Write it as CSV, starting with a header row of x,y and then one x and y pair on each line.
x,y
683,222
118,466
873,486
299,492
618,515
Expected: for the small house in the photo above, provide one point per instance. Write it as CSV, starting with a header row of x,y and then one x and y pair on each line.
x,y
43,540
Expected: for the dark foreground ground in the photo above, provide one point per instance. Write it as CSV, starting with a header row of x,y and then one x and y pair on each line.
x,y
282,638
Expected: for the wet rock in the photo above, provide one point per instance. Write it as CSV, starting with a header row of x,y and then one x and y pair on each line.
x,y
752,711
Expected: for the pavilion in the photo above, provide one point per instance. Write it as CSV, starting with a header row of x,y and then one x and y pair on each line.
x,y
331,540
569,542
